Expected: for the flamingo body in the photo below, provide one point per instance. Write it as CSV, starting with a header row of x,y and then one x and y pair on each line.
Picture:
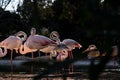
x,y
11,43
71,44
38,42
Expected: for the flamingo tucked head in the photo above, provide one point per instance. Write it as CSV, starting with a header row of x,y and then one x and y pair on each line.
x,y
62,52
54,35
62,55
60,47
21,33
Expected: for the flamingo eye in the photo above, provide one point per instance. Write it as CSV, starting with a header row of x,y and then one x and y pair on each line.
x,y
64,51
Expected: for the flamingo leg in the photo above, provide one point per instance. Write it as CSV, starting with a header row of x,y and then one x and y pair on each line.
x,y
46,54
11,56
39,53
32,69
71,54
72,67
32,56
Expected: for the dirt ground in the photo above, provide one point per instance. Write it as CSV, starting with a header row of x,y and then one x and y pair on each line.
x,y
103,76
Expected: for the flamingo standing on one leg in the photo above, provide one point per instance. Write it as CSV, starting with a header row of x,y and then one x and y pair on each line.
x,y
12,43
37,42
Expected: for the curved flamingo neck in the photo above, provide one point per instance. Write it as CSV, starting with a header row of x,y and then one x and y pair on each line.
x,y
24,49
2,54
21,33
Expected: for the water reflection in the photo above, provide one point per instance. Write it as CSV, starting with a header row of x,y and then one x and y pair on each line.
x,y
50,72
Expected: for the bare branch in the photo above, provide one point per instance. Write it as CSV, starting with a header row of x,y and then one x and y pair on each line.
x,y
7,4
2,3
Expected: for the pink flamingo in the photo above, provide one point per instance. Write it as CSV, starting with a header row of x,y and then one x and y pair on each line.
x,y
37,42
63,54
69,43
12,43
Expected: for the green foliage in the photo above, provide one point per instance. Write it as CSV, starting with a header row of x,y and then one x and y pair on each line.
x,y
36,12
10,23
82,20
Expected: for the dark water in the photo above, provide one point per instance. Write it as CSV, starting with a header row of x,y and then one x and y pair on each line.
x,y
75,71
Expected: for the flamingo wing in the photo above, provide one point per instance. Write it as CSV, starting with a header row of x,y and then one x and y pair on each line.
x,y
11,42
38,42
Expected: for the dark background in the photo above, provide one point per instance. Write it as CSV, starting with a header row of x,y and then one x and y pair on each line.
x,y
86,21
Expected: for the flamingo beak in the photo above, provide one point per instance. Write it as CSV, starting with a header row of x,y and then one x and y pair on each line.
x,y
59,58
79,46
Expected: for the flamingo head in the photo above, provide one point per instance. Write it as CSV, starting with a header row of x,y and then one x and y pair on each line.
x,y
54,35
90,48
78,45
33,31
62,55
22,35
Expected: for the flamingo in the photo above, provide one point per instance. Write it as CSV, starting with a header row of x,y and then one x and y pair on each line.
x,y
70,43
12,43
37,42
